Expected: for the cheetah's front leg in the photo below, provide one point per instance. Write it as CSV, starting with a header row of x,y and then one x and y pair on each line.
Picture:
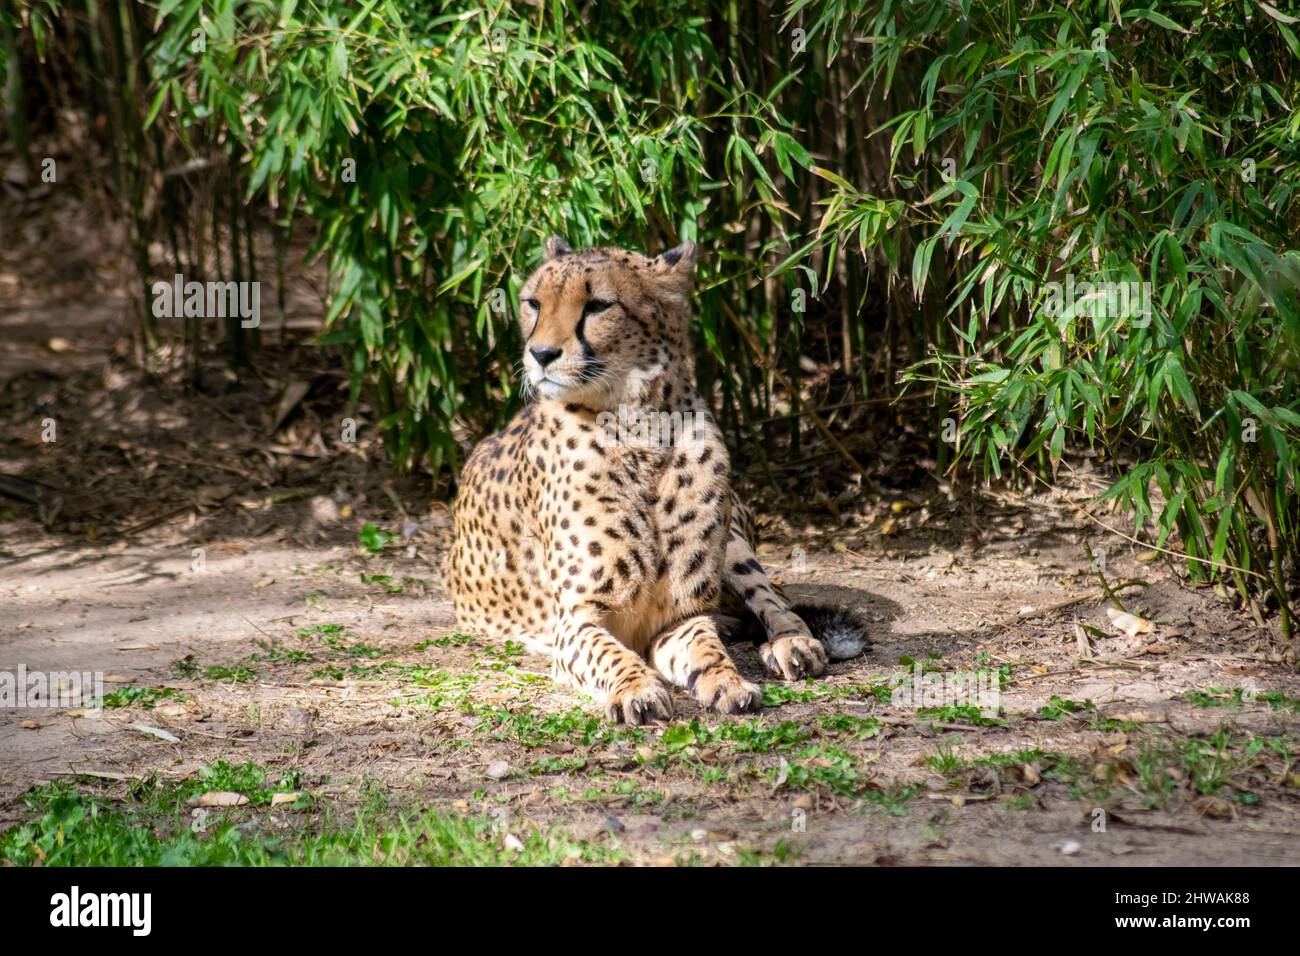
x,y
791,652
691,655
597,663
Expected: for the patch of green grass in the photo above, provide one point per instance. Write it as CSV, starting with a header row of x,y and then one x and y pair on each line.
x,y
374,539
881,690
1060,707
750,736
1110,724
1279,701
248,778
185,668
1238,696
859,728
959,713
504,655
774,695
451,640
928,666
146,697
782,851
808,691
70,828
322,631
274,652
1214,697
577,727
637,794
340,639
548,765
1052,765
945,761
819,766
1218,765
237,674
312,599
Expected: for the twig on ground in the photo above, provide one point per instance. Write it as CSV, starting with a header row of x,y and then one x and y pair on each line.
x,y
1101,576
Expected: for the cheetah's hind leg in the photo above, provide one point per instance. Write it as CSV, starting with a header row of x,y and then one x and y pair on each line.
x,y
795,640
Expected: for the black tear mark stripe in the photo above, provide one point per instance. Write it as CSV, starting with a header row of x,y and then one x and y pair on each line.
x,y
588,353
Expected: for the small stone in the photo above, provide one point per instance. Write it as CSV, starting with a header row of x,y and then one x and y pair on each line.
x,y
498,769
324,510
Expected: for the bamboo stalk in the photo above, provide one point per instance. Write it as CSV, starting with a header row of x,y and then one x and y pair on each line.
x,y
835,443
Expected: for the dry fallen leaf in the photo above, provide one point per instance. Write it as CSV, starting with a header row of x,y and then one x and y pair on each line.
x,y
156,732
1216,808
1135,716
1081,643
279,799
1130,624
222,798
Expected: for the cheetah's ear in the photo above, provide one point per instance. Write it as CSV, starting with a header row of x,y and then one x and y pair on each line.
x,y
680,259
675,267
556,247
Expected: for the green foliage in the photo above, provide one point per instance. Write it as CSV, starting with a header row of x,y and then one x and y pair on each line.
x,y
435,146
153,828
946,180
146,697
373,539
1155,146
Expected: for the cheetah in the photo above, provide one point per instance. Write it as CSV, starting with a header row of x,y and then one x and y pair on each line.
x,y
600,527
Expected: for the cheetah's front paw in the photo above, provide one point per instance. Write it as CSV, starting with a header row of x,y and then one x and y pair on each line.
x,y
729,694
640,700
794,656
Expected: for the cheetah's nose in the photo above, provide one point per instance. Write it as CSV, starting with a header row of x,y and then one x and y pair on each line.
x,y
545,354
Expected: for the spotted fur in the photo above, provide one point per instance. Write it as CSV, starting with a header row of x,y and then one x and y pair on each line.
x,y
609,550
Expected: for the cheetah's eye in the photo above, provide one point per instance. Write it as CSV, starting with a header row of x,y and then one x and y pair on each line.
x,y
533,304
595,306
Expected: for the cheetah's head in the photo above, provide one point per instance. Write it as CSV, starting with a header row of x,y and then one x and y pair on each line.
x,y
599,325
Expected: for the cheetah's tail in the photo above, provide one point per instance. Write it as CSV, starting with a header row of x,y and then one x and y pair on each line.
x,y
841,631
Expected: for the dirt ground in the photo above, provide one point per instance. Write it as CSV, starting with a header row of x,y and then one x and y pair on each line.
x,y
208,547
